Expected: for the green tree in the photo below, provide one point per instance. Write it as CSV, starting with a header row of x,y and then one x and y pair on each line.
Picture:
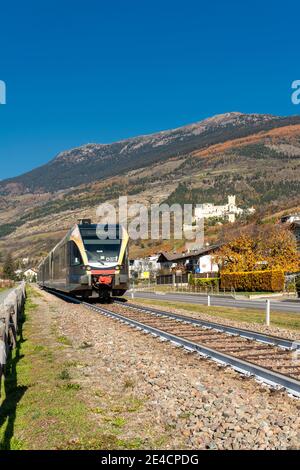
x,y
9,268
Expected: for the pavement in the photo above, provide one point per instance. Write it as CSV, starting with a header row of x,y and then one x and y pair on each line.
x,y
287,306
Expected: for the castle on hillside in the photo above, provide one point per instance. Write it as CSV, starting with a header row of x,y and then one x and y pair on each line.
x,y
228,211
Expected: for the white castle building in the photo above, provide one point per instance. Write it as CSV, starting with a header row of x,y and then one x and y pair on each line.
x,y
229,210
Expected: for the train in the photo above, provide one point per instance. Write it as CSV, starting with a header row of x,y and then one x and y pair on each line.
x,y
90,261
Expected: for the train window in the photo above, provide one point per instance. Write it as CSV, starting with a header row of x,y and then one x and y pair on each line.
x,y
101,232
75,256
102,250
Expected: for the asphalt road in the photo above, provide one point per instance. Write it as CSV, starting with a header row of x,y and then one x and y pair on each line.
x,y
222,301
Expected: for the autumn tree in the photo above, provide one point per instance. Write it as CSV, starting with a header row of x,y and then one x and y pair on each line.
x,y
270,246
237,255
278,247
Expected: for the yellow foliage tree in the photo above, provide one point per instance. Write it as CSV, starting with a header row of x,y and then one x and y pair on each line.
x,y
272,247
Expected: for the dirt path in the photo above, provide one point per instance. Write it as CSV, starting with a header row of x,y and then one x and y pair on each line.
x,y
91,382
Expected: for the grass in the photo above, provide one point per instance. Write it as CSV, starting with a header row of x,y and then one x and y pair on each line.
x,y
279,319
70,386
42,408
118,422
64,340
129,383
64,375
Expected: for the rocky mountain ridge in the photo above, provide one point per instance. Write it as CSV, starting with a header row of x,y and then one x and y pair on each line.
x,y
93,162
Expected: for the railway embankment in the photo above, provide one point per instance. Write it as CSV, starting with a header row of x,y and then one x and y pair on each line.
x,y
87,381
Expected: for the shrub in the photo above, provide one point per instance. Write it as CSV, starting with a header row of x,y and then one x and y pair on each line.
x,y
203,282
251,281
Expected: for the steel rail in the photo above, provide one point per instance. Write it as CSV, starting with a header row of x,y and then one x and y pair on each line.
x,y
264,375
249,334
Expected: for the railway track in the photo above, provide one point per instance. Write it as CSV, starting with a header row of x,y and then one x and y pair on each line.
x,y
269,359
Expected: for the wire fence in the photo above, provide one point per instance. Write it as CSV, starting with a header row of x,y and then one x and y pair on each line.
x,y
180,286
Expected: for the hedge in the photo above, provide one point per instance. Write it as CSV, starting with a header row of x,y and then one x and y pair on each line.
x,y
254,281
204,282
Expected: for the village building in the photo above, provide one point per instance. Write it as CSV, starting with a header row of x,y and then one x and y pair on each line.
x,y
227,211
28,275
197,261
144,268
290,218
295,227
293,220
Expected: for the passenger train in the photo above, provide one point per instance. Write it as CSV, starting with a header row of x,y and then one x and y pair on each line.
x,y
86,264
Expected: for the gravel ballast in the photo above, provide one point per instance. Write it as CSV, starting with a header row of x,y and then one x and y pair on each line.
x,y
190,401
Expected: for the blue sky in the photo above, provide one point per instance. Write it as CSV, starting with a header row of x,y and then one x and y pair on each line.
x,y
99,71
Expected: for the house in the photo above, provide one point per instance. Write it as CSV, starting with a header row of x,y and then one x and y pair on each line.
x,y
197,261
229,210
294,225
295,228
30,274
289,219
144,267
27,274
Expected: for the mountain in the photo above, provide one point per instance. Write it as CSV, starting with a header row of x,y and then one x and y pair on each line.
x,y
256,157
93,162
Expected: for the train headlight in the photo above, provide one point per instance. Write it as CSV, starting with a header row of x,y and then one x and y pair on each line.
x,y
88,268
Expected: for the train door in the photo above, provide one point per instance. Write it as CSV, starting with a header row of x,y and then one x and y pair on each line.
x,y
75,266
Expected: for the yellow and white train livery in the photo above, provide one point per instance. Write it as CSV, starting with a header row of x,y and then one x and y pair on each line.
x,y
90,258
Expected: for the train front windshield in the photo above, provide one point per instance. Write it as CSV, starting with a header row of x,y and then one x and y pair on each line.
x,y
100,250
